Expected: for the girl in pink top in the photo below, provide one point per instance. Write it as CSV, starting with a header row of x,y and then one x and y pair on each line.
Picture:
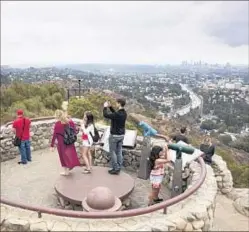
x,y
157,161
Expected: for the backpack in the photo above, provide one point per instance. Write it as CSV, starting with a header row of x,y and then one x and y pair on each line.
x,y
70,136
96,135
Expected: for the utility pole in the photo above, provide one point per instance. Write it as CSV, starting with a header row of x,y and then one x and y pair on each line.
x,y
68,95
79,87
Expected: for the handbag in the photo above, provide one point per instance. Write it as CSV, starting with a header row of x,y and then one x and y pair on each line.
x,y
17,141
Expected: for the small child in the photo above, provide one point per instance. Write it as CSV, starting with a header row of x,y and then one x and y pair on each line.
x,y
157,161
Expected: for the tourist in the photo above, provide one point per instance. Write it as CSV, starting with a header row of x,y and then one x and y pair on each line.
x,y
181,136
147,129
208,149
157,160
21,128
87,127
67,153
117,132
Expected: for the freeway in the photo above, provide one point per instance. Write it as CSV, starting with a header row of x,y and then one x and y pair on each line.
x,y
195,102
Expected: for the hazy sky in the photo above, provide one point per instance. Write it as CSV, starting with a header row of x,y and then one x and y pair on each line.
x,y
123,32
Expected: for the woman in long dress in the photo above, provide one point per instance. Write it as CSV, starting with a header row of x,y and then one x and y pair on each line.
x,y
67,153
87,127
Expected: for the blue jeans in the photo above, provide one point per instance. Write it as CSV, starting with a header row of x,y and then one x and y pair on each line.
x,y
25,151
115,147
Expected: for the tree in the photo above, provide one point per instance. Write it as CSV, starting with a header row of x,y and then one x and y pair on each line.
x,y
35,100
208,125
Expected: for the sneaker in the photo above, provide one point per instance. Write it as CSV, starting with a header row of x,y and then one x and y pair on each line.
x,y
20,162
114,172
158,200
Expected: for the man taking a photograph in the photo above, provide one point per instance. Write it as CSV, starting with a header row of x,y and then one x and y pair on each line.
x,y
117,132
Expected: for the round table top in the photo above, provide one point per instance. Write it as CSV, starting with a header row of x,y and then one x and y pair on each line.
x,y
75,187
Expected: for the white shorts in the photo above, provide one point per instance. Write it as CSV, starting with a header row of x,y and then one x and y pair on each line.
x,y
156,181
85,143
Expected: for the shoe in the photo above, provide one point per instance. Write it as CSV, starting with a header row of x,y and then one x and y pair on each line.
x,y
63,174
158,200
114,172
20,162
86,171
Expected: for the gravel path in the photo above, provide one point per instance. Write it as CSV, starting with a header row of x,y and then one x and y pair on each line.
x,y
34,183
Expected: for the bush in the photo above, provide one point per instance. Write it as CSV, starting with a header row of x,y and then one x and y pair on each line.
x,y
208,125
242,143
35,100
225,139
239,172
94,103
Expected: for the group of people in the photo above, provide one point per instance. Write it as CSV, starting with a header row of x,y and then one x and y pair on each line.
x,y
69,159
159,157
67,152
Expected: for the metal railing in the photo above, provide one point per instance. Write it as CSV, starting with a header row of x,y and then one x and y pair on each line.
x,y
118,214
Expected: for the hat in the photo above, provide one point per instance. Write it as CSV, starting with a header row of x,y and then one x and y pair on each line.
x,y
19,112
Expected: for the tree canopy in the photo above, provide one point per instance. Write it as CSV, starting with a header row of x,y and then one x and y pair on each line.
x,y
35,100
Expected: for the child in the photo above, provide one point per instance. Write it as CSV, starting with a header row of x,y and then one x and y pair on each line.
x,y
87,127
157,161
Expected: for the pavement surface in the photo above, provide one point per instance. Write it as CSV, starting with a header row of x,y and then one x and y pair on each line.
x,y
226,218
34,183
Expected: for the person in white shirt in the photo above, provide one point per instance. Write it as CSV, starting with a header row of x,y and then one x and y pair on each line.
x,y
87,127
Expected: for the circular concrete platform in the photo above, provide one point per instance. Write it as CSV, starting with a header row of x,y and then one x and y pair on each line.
x,y
75,187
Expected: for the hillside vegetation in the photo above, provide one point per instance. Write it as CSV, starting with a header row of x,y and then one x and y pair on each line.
x,y
35,100
94,103
43,100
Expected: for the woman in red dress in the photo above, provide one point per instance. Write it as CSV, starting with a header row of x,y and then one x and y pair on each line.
x,y
67,153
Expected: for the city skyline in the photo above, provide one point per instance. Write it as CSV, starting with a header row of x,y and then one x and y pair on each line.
x,y
123,32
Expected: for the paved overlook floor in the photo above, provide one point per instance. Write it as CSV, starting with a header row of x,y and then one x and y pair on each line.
x,y
34,183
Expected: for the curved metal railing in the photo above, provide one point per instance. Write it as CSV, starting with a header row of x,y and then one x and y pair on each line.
x,y
118,214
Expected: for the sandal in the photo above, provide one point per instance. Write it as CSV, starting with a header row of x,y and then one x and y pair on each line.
x,y
86,171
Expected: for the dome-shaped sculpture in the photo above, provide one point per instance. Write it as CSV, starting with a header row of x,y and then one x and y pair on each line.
x,y
101,199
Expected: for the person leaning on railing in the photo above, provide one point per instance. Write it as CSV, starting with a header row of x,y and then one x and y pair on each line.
x,y
148,131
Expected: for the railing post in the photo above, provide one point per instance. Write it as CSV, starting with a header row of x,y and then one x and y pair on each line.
x,y
165,210
39,214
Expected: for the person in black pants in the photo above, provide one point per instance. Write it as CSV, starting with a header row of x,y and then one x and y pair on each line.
x,y
117,132
208,149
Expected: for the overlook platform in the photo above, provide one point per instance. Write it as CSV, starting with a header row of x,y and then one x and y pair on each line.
x,y
34,183
75,187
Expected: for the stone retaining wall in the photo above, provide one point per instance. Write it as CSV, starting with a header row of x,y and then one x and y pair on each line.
x,y
193,214
223,175
41,135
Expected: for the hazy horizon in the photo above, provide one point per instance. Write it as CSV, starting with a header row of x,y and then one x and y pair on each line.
x,y
125,33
